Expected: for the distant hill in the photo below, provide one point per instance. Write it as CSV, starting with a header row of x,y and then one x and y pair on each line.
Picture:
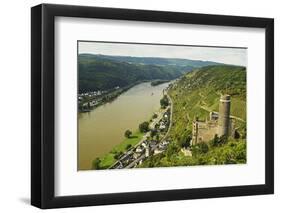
x,y
154,60
102,72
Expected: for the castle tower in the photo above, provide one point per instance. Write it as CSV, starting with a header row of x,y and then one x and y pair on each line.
x,y
194,132
147,151
224,112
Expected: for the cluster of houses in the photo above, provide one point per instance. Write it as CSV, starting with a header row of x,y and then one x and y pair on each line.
x,y
88,100
149,145
90,95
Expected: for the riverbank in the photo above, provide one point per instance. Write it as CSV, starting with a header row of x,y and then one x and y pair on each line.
x,y
158,82
109,159
128,144
103,128
91,103
153,142
135,149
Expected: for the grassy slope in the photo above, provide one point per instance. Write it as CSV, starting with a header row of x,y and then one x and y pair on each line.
x,y
108,159
198,92
234,152
195,94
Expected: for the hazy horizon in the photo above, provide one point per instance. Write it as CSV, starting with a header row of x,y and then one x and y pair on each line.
x,y
226,55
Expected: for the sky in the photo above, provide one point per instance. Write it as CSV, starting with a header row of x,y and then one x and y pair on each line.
x,y
227,55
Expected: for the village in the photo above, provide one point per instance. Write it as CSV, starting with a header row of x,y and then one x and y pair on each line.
x,y
155,141
89,100
220,124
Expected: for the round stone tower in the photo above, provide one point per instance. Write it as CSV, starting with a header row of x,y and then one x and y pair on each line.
x,y
147,151
224,113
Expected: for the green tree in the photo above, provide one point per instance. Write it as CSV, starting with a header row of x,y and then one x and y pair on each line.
x,y
96,163
240,152
223,140
203,148
117,155
218,141
215,141
128,146
157,137
164,102
144,127
128,133
184,140
172,150
236,134
153,132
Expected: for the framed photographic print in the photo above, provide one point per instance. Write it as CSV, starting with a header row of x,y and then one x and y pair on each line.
x,y
140,106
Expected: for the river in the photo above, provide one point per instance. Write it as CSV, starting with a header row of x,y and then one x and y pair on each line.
x,y
103,128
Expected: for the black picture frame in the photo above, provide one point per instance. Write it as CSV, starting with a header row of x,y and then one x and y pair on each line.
x,y
43,110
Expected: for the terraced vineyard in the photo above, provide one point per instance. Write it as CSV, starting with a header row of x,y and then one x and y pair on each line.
x,y
195,95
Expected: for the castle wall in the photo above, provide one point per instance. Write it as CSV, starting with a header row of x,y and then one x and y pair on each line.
x,y
219,124
204,131
206,134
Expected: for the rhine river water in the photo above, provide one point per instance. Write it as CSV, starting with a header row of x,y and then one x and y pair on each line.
x,y
103,128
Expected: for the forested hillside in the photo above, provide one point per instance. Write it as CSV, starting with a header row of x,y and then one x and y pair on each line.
x,y
154,60
100,72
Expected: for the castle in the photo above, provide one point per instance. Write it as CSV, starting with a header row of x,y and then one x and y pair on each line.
x,y
219,123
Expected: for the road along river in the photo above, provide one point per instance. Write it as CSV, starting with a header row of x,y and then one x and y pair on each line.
x,y
103,128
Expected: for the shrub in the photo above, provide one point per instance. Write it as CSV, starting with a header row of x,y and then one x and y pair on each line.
x,y
96,163
117,155
144,127
128,133
164,102
128,146
203,148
